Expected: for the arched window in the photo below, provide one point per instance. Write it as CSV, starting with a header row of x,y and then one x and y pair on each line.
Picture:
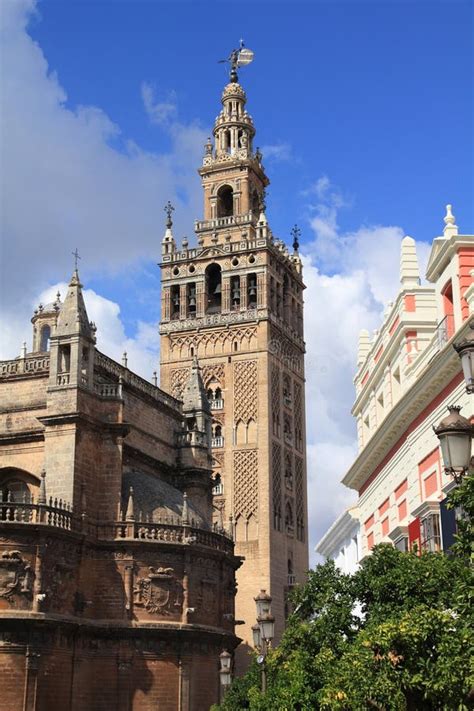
x,y
191,298
225,201
252,291
235,292
214,288
175,302
45,336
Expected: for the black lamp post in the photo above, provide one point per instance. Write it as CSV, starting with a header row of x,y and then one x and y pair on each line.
x,y
263,632
455,436
465,350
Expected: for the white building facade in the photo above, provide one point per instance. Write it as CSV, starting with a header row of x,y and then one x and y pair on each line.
x,y
406,377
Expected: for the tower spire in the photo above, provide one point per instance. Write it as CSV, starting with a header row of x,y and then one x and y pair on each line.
x,y
72,318
168,244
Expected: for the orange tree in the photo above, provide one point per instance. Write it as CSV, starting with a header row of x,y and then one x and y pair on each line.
x,y
395,636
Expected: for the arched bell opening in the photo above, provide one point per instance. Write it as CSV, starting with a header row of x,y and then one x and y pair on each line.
x,y
225,201
214,288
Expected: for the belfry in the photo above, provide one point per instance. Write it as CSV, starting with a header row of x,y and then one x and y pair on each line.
x,y
235,301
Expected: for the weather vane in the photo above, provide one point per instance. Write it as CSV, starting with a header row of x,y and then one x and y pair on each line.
x,y
296,234
239,57
76,256
169,209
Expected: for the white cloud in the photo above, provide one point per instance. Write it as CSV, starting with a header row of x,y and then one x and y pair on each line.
x,y
142,350
277,152
70,177
159,112
350,277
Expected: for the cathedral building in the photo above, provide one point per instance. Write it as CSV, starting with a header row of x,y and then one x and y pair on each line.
x,y
235,300
131,514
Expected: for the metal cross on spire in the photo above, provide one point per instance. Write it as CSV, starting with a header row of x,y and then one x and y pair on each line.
x,y
296,234
169,209
76,256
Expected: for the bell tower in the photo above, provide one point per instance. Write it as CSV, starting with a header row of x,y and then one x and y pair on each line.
x,y
235,301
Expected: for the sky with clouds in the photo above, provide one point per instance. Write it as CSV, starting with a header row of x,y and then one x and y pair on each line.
x,y
364,116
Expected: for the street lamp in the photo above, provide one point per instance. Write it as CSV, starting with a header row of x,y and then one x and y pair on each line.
x,y
263,632
465,350
267,628
455,436
225,672
264,602
257,637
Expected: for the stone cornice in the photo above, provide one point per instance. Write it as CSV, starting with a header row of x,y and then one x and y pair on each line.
x,y
390,349
442,251
439,372
340,529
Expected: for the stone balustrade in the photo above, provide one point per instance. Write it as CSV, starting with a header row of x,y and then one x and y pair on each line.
x,y
55,513
129,378
22,366
181,533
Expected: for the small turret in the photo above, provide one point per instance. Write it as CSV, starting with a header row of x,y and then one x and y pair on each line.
x,y
72,319
168,244
409,269
73,341
44,323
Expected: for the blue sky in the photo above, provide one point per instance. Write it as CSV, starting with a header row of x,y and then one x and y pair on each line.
x,y
363,110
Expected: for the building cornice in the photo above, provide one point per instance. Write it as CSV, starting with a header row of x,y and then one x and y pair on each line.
x,y
346,524
438,374
442,252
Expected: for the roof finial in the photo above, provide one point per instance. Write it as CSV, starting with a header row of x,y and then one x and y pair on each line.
x,y
296,234
169,209
76,256
450,222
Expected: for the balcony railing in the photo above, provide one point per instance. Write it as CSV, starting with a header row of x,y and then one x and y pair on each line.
x,y
56,513
217,442
19,366
291,580
216,404
218,539
193,437
228,221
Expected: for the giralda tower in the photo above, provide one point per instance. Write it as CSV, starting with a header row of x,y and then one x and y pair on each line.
x,y
236,302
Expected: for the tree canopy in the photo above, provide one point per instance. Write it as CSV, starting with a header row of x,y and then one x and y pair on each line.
x,y
395,636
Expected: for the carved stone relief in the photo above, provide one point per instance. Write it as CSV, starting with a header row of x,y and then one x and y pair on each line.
x,y
16,579
159,593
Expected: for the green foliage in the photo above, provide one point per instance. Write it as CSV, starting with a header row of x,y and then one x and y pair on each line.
x,y
396,636
462,498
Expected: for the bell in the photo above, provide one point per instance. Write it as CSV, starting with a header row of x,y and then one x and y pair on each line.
x,y
236,294
176,300
217,290
192,301
252,290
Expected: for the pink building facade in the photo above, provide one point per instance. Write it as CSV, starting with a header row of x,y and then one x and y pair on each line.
x,y
407,375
